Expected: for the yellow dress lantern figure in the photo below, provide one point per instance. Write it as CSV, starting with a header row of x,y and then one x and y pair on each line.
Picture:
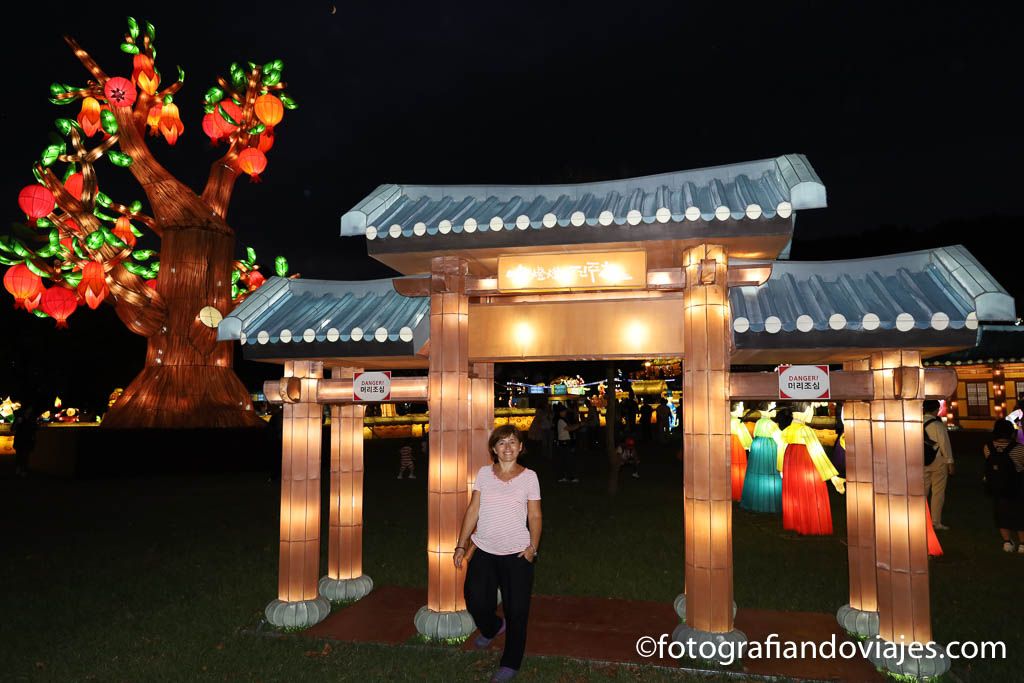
x,y
805,468
741,440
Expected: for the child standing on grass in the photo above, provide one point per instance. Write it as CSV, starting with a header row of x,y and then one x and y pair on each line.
x,y
406,462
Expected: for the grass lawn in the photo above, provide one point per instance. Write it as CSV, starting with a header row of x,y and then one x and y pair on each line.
x,y
163,578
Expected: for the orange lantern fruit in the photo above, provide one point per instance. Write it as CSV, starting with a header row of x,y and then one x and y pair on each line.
x,y
144,74
170,123
89,117
255,280
75,185
232,110
123,230
153,118
252,161
266,141
32,303
23,284
269,110
59,303
93,287
211,128
120,92
36,201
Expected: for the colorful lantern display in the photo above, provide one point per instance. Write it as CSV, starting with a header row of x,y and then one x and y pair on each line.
x,y
171,126
839,455
253,162
269,110
59,304
93,287
266,141
36,201
762,486
120,92
89,117
123,230
741,441
805,468
23,285
153,118
144,74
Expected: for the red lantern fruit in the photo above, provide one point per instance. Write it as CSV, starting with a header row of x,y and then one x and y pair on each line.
x,y
120,92
211,128
93,287
153,118
266,141
23,284
59,304
123,230
269,110
252,161
36,201
255,280
232,110
151,284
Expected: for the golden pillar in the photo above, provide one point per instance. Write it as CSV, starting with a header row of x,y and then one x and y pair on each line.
x,y
707,495
299,603
481,388
901,545
345,581
445,615
860,615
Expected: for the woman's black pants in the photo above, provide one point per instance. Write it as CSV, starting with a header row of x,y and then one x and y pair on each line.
x,y
514,575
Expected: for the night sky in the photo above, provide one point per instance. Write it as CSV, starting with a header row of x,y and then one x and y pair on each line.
x,y
910,115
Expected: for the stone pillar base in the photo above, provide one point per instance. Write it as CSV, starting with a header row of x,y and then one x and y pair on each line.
x,y
298,614
345,590
443,625
858,622
896,659
693,640
679,604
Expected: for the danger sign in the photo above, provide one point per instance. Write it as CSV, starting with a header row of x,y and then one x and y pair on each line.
x,y
371,386
803,382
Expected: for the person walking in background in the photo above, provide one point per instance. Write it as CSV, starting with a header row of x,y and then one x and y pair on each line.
x,y
406,462
565,446
629,456
645,420
503,521
1004,464
540,434
663,416
26,426
938,460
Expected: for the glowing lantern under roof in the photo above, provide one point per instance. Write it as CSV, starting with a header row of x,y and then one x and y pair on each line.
x,y
36,201
59,304
23,285
253,162
269,110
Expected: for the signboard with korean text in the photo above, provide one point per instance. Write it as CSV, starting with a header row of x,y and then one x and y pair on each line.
x,y
803,382
572,270
371,386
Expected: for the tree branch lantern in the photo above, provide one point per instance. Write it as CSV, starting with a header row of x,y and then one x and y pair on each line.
x,y
83,246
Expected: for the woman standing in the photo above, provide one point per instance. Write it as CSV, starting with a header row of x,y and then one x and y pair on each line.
x,y
505,514
1004,470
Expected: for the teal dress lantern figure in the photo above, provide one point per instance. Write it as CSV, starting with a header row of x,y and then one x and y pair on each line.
x,y
762,486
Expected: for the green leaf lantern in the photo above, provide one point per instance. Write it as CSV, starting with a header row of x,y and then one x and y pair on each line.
x,y
133,28
50,155
109,122
250,255
94,240
119,158
213,95
130,49
281,266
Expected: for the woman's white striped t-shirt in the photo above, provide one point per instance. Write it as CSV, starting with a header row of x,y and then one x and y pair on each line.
x,y
501,528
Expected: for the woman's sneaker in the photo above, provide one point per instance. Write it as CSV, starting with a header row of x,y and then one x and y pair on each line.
x,y
1008,547
482,642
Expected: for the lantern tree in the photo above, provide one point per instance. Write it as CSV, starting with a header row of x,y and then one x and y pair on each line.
x,y
80,245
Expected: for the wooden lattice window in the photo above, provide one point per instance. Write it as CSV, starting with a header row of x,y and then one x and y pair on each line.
x,y
977,399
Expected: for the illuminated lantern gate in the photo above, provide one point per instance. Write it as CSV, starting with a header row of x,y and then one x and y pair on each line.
x,y
632,269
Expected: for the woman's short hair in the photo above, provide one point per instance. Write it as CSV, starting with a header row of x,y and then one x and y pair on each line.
x,y
500,433
1004,429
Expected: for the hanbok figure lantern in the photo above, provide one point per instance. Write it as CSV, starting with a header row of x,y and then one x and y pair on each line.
x,y
839,450
934,547
741,440
805,468
762,486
